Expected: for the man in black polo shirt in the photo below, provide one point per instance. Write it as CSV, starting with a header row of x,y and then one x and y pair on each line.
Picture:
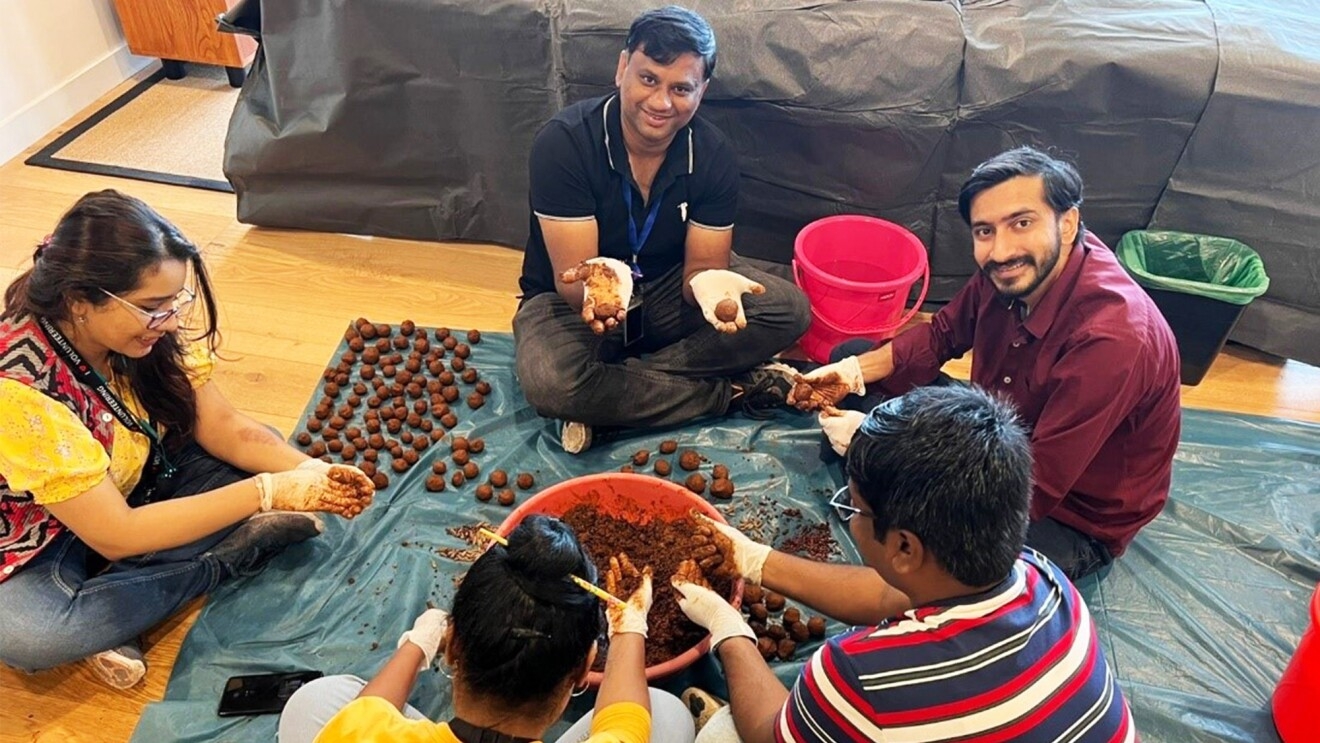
x,y
636,196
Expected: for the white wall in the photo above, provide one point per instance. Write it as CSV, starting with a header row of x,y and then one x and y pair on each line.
x,y
56,58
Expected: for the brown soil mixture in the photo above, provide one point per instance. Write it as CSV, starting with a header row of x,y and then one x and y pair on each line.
x,y
660,544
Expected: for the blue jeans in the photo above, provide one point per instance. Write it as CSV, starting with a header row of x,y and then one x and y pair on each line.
x,y
67,603
680,369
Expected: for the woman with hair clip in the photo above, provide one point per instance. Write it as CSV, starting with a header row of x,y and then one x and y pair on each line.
x,y
128,484
519,642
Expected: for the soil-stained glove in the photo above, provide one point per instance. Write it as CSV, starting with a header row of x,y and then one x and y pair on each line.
x,y
839,429
344,490
713,612
828,385
720,549
427,632
315,465
607,287
631,617
719,293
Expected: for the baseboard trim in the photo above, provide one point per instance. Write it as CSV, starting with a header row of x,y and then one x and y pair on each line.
x,y
35,120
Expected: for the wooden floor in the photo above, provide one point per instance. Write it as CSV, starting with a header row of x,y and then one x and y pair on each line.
x,y
286,298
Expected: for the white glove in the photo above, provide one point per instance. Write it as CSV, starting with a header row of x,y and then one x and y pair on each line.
x,y
748,556
427,632
715,287
607,287
343,490
710,610
631,617
839,429
315,465
846,373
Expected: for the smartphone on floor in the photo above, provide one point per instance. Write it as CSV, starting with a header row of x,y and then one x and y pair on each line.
x,y
262,693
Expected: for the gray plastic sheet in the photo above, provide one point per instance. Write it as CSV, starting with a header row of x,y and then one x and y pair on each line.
x,y
414,118
1199,617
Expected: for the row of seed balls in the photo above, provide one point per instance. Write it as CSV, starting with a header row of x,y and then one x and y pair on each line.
x,y
407,397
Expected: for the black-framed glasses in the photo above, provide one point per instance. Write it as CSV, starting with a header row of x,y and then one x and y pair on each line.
x,y
182,301
841,502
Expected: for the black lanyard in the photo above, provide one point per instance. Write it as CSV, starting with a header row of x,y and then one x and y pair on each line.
x,y
469,733
635,239
160,466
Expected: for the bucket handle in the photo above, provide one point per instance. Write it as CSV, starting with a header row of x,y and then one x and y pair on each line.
x,y
916,307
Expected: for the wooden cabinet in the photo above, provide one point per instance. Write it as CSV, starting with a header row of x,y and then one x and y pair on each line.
x,y
180,31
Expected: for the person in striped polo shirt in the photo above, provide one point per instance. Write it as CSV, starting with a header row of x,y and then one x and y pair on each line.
x,y
962,635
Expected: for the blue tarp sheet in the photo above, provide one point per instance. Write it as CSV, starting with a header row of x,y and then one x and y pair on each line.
x,y
1199,617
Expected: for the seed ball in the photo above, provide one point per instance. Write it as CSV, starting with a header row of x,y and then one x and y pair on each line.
x,y
317,449
395,450
376,441
470,470
773,601
726,310
335,446
400,341
370,355
356,345
719,472
776,631
305,438
458,479
816,627
394,425
641,457
627,469
462,351
457,364
525,480
689,460
412,366
758,612
332,389
499,478
380,480
367,331
663,468
369,467
441,333
449,420
348,451
475,400
450,393
786,649
446,378
421,345
791,615
474,336
752,593
483,387
470,375
696,483
507,498
485,492
414,420
668,446
388,370
798,631
410,456
435,483
437,434
314,425
767,648
449,342
420,407
399,465
459,443
369,454
407,327
436,367
368,372
460,457
359,389
439,467
721,488
383,345
476,446
420,443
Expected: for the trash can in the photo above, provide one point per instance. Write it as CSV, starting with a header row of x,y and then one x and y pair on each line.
x,y
1200,283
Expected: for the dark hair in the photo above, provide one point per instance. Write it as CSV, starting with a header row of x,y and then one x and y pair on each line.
x,y
1063,184
107,241
953,466
521,628
665,33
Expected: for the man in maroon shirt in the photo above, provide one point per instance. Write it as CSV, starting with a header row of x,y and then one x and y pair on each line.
x,y
1055,324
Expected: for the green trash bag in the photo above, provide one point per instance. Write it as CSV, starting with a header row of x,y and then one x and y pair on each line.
x,y
1216,267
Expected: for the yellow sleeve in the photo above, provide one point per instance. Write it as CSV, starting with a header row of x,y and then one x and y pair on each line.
x,y
621,722
200,364
45,448
374,720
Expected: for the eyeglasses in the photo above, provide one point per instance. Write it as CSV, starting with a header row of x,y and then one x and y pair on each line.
x,y
182,301
841,502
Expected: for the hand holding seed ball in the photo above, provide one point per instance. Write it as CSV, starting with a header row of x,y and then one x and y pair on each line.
x,y
607,288
719,294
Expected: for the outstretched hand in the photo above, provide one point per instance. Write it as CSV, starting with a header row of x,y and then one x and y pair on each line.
x,y
607,286
822,389
343,490
719,293
721,550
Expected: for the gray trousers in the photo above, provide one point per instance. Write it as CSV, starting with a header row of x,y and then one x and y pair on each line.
x,y
679,371
312,706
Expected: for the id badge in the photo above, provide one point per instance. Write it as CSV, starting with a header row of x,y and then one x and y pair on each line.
x,y
635,321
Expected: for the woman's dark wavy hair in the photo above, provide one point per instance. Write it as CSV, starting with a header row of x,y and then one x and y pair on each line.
x,y
107,241
521,628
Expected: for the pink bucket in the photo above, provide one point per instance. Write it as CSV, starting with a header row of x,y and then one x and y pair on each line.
x,y
857,272
1295,697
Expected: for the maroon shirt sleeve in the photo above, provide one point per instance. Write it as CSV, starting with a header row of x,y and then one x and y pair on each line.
x,y
1094,386
920,351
